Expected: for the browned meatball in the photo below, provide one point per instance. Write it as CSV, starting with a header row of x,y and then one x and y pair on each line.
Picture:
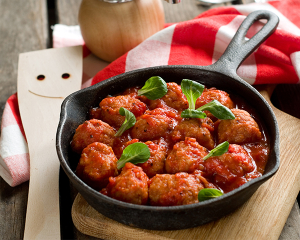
x,y
133,92
130,186
242,129
156,163
230,170
153,125
174,189
195,128
97,163
110,109
92,131
213,94
186,156
174,98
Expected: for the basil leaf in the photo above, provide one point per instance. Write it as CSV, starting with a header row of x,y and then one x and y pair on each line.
x,y
218,150
135,153
128,122
218,110
192,90
190,113
154,88
208,193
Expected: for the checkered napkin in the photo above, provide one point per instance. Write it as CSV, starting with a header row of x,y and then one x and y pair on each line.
x,y
200,41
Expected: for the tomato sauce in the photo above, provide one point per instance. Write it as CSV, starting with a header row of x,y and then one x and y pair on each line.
x,y
175,171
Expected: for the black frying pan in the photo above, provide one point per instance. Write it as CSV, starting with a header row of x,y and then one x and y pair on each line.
x,y
222,75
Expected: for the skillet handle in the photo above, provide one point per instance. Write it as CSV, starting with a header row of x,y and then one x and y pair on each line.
x,y
239,48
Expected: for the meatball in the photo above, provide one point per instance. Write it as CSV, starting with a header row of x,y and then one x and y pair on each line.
x,y
211,94
230,170
168,112
186,156
195,128
174,98
110,109
133,92
156,163
97,163
242,129
130,186
153,125
92,131
174,189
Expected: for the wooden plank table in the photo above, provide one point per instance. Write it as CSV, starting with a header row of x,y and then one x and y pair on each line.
x,y
25,27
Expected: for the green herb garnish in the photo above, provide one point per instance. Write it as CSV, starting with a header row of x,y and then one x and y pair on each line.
x,y
191,113
135,153
128,122
218,150
192,90
154,88
218,110
208,193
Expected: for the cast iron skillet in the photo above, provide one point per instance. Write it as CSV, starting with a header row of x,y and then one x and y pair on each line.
x,y
222,75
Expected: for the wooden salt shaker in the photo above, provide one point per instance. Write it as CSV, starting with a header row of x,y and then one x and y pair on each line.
x,y
111,28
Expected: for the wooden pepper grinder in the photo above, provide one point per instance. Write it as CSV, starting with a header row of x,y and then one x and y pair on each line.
x,y
111,28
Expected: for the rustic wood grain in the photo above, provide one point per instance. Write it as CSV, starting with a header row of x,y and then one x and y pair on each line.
x,y
292,225
23,28
67,11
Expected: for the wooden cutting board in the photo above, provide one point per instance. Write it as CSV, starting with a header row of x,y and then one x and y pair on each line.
x,y
262,217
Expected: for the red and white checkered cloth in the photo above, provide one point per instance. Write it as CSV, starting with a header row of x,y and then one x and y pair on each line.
x,y
200,41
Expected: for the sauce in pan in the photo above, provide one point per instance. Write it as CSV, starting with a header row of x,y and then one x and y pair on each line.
x,y
175,171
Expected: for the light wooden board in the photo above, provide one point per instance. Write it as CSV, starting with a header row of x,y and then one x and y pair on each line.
x,y
40,103
262,217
